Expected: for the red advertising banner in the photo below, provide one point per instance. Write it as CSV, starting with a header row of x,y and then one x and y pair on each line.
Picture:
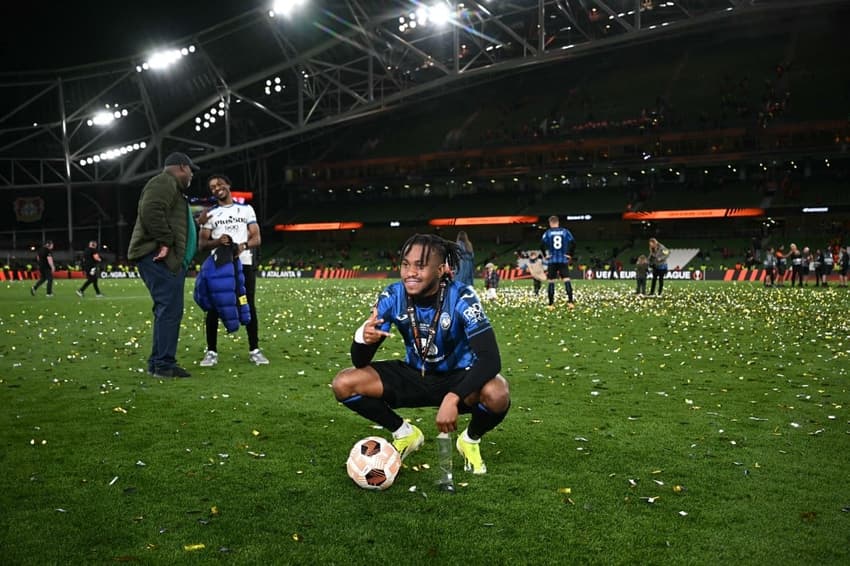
x,y
693,213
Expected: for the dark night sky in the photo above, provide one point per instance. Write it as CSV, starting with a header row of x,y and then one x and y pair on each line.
x,y
51,35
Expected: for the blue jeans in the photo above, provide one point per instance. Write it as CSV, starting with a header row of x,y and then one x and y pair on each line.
x,y
166,289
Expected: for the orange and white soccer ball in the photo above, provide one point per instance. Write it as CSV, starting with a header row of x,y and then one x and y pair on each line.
x,y
373,463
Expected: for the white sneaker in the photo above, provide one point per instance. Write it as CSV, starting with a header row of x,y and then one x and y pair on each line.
x,y
210,359
79,293
258,358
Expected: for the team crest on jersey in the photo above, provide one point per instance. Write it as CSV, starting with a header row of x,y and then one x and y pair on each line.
x,y
445,321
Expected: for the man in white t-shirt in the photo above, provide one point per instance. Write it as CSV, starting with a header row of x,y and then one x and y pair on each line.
x,y
224,224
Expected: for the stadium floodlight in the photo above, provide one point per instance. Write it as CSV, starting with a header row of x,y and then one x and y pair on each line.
x,y
113,153
208,117
104,118
275,85
101,119
439,14
164,59
285,7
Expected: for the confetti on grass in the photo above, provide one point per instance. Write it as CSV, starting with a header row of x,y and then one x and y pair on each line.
x,y
194,547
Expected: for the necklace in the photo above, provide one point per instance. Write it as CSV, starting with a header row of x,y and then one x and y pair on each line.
x,y
423,349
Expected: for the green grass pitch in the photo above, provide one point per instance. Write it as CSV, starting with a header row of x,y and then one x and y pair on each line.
x,y
708,427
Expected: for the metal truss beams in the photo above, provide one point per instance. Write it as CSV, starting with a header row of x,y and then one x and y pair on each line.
x,y
281,79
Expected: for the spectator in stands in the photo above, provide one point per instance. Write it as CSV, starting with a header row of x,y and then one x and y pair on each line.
x,y
658,254
465,271
770,268
641,270
795,258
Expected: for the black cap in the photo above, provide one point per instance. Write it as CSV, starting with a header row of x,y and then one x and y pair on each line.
x,y
178,158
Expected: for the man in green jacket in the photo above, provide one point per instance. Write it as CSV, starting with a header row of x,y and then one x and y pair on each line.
x,y
163,244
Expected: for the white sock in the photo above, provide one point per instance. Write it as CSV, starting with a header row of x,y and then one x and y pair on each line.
x,y
465,436
403,430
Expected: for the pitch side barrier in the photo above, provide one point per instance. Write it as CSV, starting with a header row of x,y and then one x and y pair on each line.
x,y
677,274
504,274
515,273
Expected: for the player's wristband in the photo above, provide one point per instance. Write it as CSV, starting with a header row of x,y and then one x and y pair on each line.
x,y
358,334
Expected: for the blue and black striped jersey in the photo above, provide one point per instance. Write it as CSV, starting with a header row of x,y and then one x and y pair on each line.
x,y
461,318
559,242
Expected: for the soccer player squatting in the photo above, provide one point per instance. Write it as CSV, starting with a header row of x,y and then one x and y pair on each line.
x,y
452,359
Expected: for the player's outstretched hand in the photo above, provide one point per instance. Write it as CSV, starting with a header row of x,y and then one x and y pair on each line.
x,y
371,330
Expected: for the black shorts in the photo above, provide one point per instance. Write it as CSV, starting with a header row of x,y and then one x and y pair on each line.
x,y
404,386
559,271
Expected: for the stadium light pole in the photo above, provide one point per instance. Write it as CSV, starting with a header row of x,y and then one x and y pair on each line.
x,y
67,151
541,27
456,42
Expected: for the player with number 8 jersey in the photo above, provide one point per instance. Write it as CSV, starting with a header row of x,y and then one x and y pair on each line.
x,y
558,245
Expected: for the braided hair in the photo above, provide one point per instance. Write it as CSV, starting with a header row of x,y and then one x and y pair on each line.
x,y
447,251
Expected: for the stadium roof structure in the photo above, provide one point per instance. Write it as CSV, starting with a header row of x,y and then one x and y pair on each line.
x,y
256,84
